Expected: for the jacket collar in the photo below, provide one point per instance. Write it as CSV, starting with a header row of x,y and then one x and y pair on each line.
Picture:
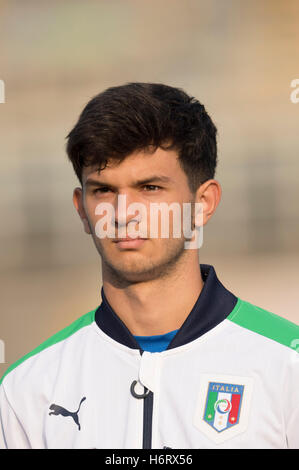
x,y
213,305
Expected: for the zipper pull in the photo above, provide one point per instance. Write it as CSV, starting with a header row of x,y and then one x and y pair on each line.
x,y
137,395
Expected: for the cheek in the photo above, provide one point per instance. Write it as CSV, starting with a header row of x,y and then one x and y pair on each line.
x,y
98,216
167,225
89,207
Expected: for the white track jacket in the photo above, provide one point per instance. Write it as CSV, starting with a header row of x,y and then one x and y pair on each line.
x,y
229,379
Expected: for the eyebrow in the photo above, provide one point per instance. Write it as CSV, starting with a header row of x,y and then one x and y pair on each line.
x,y
149,179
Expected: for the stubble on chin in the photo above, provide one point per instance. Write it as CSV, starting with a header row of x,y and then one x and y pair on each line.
x,y
142,269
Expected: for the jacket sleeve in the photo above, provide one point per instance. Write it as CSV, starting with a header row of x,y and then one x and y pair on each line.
x,y
292,403
12,434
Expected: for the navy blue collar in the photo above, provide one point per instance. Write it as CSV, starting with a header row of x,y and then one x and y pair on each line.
x,y
213,305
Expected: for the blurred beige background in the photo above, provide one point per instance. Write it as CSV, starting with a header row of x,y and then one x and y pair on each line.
x,y
237,58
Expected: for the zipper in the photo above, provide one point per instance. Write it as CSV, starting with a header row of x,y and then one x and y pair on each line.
x,y
148,398
148,403
147,420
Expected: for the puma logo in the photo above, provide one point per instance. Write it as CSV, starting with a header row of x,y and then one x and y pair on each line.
x,y
59,410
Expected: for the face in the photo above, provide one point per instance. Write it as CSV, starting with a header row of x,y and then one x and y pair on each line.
x,y
144,178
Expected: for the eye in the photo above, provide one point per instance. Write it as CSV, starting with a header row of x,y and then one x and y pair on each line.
x,y
103,189
152,186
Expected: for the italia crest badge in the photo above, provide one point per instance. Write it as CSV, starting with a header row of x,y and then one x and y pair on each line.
x,y
223,406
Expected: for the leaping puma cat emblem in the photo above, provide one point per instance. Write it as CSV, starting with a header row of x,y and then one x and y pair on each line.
x,y
59,410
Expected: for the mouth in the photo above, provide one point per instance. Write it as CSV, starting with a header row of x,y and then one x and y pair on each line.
x,y
129,242
127,239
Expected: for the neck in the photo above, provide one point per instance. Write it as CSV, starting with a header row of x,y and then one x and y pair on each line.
x,y
158,306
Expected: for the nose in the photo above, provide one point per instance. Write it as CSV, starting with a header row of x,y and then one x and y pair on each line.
x,y
121,217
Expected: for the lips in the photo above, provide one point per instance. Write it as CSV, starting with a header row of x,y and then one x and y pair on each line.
x,y
128,239
130,243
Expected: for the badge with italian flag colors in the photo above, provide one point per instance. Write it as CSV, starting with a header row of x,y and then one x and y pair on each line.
x,y
223,406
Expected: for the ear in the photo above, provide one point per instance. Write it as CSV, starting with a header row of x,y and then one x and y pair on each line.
x,y
209,195
78,203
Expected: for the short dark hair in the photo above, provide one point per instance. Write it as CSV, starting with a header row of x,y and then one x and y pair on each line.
x,y
143,116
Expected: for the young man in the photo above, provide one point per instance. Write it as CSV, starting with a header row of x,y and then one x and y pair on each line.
x,y
170,358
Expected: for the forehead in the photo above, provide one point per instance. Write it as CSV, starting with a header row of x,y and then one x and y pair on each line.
x,y
138,165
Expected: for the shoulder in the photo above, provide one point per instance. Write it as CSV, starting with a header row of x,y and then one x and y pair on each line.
x,y
58,337
265,323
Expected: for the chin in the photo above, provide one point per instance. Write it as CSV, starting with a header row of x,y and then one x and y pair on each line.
x,y
132,272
